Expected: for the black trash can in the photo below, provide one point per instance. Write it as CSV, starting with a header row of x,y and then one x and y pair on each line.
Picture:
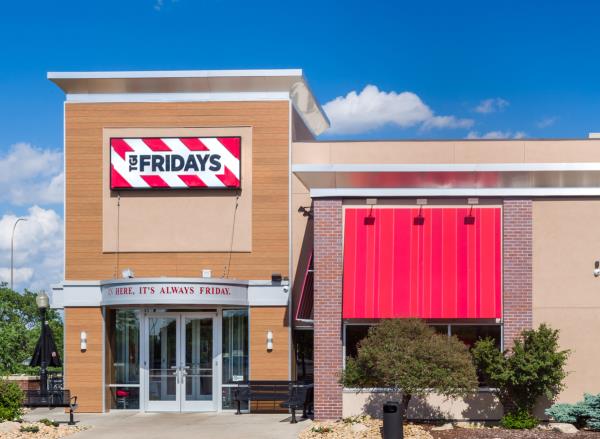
x,y
392,421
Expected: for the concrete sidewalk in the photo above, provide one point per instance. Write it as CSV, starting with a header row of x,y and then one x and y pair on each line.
x,y
136,425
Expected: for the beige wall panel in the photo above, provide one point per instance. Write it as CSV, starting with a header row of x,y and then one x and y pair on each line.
x,y
392,152
298,187
265,365
465,151
311,152
562,151
178,220
489,151
83,371
565,292
84,124
579,329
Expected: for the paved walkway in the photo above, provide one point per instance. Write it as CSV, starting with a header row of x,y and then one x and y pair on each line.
x,y
135,425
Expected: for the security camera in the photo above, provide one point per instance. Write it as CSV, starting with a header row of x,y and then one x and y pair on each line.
x,y
596,268
287,288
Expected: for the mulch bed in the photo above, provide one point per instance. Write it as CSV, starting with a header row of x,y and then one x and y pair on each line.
x,y
491,433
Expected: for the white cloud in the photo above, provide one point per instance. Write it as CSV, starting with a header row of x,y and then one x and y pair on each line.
x,y
497,135
31,175
546,122
372,109
38,244
158,4
491,105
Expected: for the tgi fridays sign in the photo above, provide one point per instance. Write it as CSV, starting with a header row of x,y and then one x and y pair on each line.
x,y
174,294
174,162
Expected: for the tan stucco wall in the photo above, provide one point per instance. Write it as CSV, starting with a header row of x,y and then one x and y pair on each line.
x,y
482,406
461,151
566,295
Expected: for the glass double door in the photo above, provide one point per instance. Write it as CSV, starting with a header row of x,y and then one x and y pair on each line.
x,y
181,362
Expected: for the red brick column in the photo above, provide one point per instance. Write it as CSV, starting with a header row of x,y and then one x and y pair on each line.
x,y
518,270
328,308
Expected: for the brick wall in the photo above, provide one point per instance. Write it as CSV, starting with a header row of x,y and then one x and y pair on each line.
x,y
328,308
518,270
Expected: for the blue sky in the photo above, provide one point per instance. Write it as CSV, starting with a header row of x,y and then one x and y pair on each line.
x,y
435,69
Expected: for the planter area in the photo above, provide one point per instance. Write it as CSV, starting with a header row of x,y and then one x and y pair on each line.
x,y
23,430
365,427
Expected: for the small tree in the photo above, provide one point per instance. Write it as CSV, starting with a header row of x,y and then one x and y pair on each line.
x,y
407,355
20,329
533,368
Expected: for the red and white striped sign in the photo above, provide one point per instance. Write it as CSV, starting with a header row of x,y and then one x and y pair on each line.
x,y
174,162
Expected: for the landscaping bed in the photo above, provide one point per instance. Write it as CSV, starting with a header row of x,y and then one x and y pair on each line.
x,y
501,433
364,427
28,430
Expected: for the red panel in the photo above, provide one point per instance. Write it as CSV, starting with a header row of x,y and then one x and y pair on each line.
x,y
426,263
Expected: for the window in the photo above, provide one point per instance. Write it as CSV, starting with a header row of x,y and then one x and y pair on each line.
x,y
467,333
235,353
124,383
354,334
304,350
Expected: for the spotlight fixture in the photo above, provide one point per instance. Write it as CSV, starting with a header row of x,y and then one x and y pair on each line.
x,y
128,273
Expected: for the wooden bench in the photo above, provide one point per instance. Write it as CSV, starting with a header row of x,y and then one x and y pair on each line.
x,y
293,395
51,398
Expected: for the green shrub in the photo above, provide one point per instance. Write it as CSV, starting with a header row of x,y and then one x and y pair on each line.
x,y
29,428
11,399
535,367
407,354
585,413
48,422
322,429
519,420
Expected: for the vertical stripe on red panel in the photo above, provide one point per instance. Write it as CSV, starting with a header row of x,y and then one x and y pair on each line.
x,y
437,243
350,231
498,262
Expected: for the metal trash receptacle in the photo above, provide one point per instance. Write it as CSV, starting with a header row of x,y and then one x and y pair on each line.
x,y
392,420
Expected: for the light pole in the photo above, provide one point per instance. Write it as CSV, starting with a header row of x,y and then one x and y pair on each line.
x,y
12,250
43,302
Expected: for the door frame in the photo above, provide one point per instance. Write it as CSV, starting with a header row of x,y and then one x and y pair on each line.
x,y
179,404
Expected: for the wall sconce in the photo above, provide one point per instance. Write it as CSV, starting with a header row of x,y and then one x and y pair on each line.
x,y
269,340
83,341
128,273
596,268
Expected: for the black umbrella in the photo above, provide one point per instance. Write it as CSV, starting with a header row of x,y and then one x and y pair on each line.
x,y
45,349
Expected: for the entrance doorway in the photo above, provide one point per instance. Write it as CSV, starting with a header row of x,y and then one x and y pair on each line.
x,y
181,356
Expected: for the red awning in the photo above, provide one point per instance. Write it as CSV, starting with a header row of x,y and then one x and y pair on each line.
x,y
426,263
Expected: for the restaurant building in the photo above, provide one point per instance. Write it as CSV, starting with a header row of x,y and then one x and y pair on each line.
x,y
210,239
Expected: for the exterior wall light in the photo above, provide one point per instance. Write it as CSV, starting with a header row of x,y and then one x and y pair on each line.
x,y
269,340
83,341
128,273
596,268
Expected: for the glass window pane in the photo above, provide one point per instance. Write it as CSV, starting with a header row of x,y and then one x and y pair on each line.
x,y
229,402
125,398
162,337
440,329
126,347
198,359
354,334
304,348
235,345
469,334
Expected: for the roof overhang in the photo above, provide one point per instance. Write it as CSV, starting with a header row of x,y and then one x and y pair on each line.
x,y
500,179
195,85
